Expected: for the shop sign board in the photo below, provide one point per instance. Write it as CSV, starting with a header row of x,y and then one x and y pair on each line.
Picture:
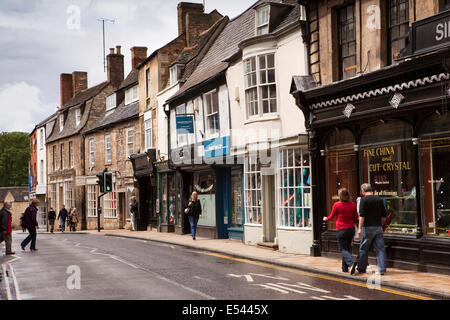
x,y
217,147
185,124
432,33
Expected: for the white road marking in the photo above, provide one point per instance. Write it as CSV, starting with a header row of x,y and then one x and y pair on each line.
x,y
305,286
268,286
247,276
16,285
283,286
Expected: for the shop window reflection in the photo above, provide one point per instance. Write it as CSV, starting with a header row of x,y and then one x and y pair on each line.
x,y
435,162
340,162
387,163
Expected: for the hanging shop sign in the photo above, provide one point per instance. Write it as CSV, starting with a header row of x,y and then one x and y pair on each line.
x,y
185,124
431,33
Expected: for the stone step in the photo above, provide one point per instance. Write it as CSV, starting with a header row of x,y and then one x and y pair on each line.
x,y
267,245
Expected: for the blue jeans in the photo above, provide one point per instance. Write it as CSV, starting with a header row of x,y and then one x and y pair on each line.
x,y
193,222
372,235
63,224
344,238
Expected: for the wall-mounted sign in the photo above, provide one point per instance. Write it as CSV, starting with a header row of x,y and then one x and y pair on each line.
x,y
185,124
217,147
431,33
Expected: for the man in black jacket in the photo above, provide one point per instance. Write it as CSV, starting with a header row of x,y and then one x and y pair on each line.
x,y
194,213
62,216
5,227
51,219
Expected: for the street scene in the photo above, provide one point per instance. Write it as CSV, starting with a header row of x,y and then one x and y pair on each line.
x,y
248,150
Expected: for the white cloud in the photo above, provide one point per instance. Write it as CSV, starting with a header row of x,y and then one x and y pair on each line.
x,y
21,107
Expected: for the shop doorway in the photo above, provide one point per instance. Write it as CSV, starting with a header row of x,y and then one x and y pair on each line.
x,y
269,226
145,203
122,210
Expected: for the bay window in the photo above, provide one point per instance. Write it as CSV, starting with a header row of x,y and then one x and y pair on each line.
x,y
252,191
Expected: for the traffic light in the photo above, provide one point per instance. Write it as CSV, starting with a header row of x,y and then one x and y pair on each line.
x,y
101,181
108,180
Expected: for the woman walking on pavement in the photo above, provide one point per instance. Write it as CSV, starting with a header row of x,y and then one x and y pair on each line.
x,y
30,222
194,212
73,217
347,217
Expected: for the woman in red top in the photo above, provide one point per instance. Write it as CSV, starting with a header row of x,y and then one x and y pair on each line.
x,y
347,217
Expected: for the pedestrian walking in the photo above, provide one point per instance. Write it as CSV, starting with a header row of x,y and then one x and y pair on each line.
x,y
6,227
21,224
51,219
30,222
372,217
73,217
62,217
346,219
133,212
194,212
68,221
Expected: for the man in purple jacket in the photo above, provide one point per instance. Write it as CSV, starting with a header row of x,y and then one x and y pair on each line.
x,y
30,222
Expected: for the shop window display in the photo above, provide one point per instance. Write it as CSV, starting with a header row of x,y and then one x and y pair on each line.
x,y
205,185
236,198
253,191
294,189
387,163
340,162
435,161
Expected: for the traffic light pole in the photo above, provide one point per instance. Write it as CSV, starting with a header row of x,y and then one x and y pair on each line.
x,y
99,211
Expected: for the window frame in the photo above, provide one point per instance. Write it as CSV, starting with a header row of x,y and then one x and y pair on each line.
x,y
209,98
55,168
108,147
173,75
254,98
110,204
131,95
71,162
111,102
262,28
398,25
61,122
252,170
147,82
130,145
92,151
92,193
342,43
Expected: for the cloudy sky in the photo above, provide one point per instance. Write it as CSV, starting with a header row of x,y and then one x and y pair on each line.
x,y
40,39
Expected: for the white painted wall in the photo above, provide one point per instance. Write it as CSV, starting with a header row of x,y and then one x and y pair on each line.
x,y
41,165
162,139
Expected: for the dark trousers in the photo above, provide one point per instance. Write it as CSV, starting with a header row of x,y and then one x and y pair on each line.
x,y
7,237
31,237
51,222
344,238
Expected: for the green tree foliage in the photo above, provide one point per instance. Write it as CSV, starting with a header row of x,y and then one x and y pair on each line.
x,y
14,158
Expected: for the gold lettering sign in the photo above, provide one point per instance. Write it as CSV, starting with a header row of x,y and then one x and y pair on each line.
x,y
387,165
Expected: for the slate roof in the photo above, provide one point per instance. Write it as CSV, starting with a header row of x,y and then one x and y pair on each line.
x,y
130,80
119,114
20,194
227,43
70,127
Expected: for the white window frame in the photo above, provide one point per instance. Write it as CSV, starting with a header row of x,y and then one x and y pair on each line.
x,y
287,203
63,158
130,141
108,153
257,76
77,116
41,142
131,95
71,162
92,193
262,20
91,151
68,195
252,173
147,83
173,72
148,124
61,122
182,139
54,159
111,102
212,131
53,196
110,204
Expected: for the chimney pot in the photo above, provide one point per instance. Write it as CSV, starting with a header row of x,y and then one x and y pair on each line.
x,y
111,50
118,49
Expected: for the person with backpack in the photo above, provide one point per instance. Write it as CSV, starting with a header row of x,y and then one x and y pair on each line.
x,y
30,222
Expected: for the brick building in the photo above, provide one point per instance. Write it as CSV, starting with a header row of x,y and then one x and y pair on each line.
x,y
109,143
80,108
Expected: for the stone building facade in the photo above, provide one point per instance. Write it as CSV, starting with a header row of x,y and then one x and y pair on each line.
x,y
19,198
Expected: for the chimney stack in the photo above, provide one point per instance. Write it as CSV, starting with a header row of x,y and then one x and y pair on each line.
x,y
138,55
66,87
185,8
115,67
79,82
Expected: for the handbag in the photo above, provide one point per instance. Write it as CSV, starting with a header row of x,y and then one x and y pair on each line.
x,y
187,211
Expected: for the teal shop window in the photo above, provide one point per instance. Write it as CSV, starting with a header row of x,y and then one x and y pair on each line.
x,y
294,189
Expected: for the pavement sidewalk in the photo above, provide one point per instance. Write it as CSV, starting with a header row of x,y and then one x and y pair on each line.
x,y
436,285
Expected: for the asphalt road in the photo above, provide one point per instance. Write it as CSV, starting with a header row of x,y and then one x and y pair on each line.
x,y
79,267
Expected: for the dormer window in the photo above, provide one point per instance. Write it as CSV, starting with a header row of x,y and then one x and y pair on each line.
x,y
110,102
61,122
78,116
175,72
131,95
262,20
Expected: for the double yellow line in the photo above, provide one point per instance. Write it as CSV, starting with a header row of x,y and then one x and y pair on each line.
x,y
6,277
325,277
